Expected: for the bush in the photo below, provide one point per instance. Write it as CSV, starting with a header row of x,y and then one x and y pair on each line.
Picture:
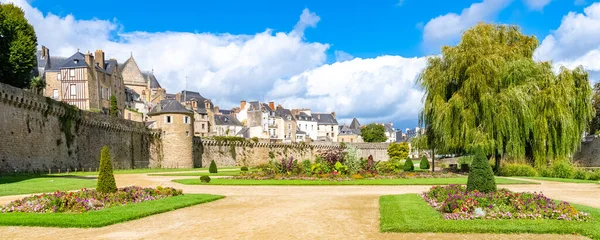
x,y
481,177
352,159
464,168
205,179
399,150
515,169
580,174
306,166
213,167
424,163
595,176
562,169
545,172
106,179
331,156
244,169
409,166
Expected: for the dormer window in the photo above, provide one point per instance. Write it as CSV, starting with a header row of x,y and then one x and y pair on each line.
x,y
75,61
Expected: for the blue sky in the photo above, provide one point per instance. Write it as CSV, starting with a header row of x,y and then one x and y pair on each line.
x,y
358,58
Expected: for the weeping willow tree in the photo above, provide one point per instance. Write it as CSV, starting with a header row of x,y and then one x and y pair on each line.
x,y
488,92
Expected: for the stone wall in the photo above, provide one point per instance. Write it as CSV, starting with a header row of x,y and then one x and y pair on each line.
x,y
228,154
39,133
589,154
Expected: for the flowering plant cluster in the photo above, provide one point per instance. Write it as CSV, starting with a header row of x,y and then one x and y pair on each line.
x,y
456,203
86,200
335,176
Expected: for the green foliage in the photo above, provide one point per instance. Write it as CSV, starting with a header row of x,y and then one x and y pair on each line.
x,y
306,166
409,166
244,169
254,139
465,160
114,108
595,175
37,84
271,155
522,170
489,92
481,177
580,174
424,164
213,167
340,168
106,179
545,172
562,169
205,178
352,159
320,168
399,150
595,123
373,133
18,45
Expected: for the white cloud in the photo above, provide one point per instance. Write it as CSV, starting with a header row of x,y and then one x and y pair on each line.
x,y
374,89
575,42
307,19
341,56
537,5
447,29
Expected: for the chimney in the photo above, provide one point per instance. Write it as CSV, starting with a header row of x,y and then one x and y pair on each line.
x,y
272,105
217,110
333,114
242,104
99,56
89,59
45,52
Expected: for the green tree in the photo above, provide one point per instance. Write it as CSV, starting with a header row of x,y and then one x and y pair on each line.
x,y
595,123
424,164
489,92
409,166
213,167
106,179
399,150
18,44
114,108
373,133
481,176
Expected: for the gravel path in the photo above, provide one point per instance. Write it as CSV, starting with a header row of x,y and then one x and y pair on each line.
x,y
282,212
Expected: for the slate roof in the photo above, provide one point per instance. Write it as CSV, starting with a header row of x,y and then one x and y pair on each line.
x,y
300,132
170,96
284,113
355,124
110,65
225,112
304,117
168,106
195,96
149,76
74,61
245,132
388,127
325,118
226,120
346,130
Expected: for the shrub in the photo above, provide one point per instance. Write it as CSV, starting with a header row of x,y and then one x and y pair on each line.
x,y
409,166
580,174
545,172
205,179
399,150
244,169
515,169
595,175
481,177
213,167
464,168
106,179
340,168
331,156
562,169
424,163
306,166
352,159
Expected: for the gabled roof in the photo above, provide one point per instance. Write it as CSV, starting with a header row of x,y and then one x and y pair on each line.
x,y
355,124
74,61
325,118
149,76
300,132
226,120
388,127
302,116
110,65
195,96
168,106
346,130
284,113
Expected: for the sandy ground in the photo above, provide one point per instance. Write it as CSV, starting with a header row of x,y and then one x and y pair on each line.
x,y
281,212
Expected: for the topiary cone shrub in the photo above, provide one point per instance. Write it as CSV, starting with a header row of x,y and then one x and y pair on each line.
x,y
481,176
213,167
106,179
409,166
424,164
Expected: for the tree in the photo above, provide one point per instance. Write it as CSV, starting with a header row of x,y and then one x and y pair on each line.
x,y
595,123
409,166
424,164
213,167
114,108
106,179
18,44
489,92
481,176
399,150
373,133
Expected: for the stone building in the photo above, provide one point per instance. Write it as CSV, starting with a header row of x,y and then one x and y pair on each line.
x,y
290,127
227,125
351,133
204,112
390,132
177,132
327,126
143,89
84,80
255,116
306,124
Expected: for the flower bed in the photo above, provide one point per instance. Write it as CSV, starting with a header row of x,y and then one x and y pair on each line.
x,y
86,200
456,203
334,176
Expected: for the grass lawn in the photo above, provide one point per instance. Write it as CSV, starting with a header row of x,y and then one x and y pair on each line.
x,y
106,216
566,180
15,185
410,213
141,170
399,181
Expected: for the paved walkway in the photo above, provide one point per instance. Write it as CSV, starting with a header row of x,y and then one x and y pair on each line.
x,y
281,212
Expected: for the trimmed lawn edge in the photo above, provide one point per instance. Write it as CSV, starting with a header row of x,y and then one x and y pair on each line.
x,y
564,180
108,216
399,181
410,213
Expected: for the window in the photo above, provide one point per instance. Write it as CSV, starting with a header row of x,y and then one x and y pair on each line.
x,y
187,133
72,72
101,93
332,128
289,126
73,89
54,93
203,126
186,120
168,119
318,127
58,76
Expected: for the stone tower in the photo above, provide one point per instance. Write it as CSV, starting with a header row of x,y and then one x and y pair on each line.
x,y
177,130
